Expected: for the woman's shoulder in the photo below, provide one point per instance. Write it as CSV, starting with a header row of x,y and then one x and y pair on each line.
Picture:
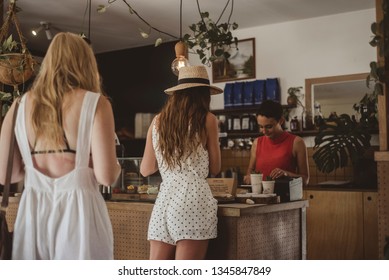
x,y
210,117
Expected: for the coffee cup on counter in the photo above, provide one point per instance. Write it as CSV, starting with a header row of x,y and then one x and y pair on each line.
x,y
268,186
256,183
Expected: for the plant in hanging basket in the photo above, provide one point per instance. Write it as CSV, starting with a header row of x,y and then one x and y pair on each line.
x,y
16,62
15,67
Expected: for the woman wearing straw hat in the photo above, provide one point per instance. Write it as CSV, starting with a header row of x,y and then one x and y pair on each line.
x,y
182,143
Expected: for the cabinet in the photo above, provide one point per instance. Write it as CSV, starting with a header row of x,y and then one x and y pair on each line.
x,y
342,225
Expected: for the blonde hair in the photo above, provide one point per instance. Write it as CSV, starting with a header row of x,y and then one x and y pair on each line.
x,y
69,64
181,124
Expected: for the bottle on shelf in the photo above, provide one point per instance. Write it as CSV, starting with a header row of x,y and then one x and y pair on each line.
x,y
236,123
245,123
253,125
294,124
308,120
318,118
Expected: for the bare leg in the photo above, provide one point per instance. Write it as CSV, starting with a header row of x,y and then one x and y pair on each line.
x,y
191,249
161,251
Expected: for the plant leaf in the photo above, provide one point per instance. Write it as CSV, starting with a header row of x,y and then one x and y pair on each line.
x,y
336,143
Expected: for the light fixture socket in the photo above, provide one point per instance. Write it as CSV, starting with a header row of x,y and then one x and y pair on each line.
x,y
49,35
181,49
43,26
181,57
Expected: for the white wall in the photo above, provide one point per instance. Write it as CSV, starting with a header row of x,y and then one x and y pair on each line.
x,y
316,47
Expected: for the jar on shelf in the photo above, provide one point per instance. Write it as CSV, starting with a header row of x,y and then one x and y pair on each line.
x,y
294,124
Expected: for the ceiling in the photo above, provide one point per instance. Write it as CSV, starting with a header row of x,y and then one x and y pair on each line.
x,y
117,29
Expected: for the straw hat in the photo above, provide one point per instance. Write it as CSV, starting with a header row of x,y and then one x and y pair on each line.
x,y
193,76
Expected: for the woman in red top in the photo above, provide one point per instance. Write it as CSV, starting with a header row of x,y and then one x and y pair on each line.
x,y
277,153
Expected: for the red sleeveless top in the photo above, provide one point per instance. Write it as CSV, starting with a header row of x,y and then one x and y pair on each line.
x,y
277,153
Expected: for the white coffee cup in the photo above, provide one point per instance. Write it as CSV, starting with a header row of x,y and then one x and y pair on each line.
x,y
268,186
256,183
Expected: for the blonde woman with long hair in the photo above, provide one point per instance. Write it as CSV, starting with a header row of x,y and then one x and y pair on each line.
x,y
182,143
65,148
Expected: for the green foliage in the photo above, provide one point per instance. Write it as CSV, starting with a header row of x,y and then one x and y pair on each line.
x,y
295,91
9,45
378,76
369,104
208,35
339,141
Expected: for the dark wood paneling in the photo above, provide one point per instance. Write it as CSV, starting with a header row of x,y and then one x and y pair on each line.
x,y
135,79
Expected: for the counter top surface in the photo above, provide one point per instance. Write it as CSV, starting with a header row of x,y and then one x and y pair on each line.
x,y
349,188
231,209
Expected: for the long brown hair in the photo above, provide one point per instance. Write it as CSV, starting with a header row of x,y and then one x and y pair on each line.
x,y
181,124
69,64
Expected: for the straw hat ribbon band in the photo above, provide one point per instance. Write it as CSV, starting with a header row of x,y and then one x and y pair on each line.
x,y
193,80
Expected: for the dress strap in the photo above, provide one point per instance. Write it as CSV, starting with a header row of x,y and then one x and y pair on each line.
x,y
84,138
21,133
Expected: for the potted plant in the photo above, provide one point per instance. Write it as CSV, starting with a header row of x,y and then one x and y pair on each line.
x,y
208,34
343,140
294,94
16,65
367,108
16,62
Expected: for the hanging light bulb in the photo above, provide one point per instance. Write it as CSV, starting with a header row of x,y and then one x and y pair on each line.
x,y
180,61
37,30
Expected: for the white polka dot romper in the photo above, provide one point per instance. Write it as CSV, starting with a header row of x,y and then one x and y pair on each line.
x,y
185,207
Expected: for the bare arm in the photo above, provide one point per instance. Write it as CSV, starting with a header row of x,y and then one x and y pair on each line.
x,y
253,158
301,156
300,151
211,125
5,136
149,164
105,163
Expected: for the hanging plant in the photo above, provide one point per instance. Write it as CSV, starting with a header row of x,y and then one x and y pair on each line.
x,y
378,76
16,62
206,33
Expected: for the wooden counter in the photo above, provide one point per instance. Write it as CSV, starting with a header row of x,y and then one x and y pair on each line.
x,y
274,231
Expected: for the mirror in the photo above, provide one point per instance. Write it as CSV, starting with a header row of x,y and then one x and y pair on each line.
x,y
335,93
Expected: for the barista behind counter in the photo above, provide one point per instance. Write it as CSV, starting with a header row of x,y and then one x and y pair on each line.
x,y
277,153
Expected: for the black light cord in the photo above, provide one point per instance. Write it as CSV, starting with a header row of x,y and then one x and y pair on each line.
x,y
89,19
180,20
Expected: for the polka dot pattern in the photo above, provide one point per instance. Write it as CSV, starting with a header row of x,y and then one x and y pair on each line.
x,y
185,207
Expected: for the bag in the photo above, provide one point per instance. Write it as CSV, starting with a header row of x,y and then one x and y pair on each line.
x,y
5,238
5,235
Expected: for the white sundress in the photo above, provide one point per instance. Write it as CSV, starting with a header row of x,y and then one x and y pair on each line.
x,y
66,217
185,207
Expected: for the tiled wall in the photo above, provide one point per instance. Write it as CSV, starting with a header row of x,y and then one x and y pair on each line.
x,y
239,159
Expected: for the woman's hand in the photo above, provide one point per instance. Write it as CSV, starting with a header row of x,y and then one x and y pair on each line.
x,y
277,173
247,179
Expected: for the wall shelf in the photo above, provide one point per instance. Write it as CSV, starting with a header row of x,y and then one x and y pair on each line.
x,y
252,109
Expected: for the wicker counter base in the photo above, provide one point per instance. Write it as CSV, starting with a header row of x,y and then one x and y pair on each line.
x,y
275,231
271,236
